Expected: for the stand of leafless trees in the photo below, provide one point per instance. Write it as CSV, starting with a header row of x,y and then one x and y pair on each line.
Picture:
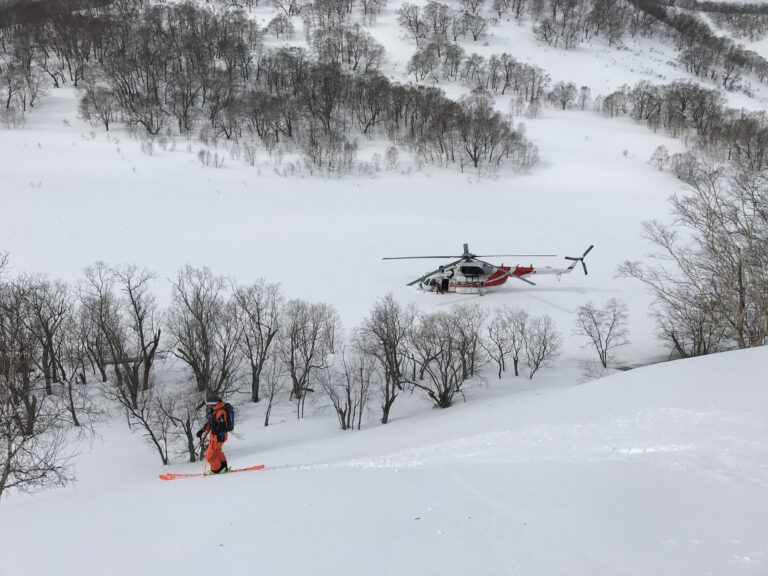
x,y
711,269
206,71
309,335
65,349
436,27
349,384
33,408
709,273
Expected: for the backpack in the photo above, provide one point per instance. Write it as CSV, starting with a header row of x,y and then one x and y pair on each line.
x,y
230,416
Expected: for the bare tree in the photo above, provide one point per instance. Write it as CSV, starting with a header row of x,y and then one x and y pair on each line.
x,y
142,413
205,331
92,337
308,336
564,94
176,414
410,17
438,17
505,337
683,312
120,326
99,317
476,25
517,319
258,311
497,342
543,344
584,96
385,335
32,457
468,325
72,361
98,105
371,10
472,6
33,444
605,327
281,25
289,7
423,63
139,311
660,157
348,385
49,305
436,349
274,383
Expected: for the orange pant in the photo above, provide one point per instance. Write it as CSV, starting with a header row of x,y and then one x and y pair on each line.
x,y
214,454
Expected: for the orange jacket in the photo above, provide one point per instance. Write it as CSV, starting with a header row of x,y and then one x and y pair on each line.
x,y
216,422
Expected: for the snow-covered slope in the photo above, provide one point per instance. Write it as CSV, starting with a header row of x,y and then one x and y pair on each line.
x,y
662,470
72,195
659,471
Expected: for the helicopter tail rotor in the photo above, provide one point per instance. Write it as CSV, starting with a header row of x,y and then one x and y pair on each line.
x,y
576,259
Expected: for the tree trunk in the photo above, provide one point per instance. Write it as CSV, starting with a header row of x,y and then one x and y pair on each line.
x,y
385,410
255,383
71,406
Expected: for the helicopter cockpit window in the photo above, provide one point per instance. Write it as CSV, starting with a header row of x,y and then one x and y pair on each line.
x,y
472,271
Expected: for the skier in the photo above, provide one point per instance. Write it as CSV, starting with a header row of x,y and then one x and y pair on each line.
x,y
216,425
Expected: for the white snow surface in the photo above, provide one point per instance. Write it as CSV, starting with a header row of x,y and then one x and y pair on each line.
x,y
72,195
662,470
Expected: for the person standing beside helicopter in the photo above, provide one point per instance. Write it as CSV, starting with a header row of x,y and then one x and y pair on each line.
x,y
448,278
440,280
444,280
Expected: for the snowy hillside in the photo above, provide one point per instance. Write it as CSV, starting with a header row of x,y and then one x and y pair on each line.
x,y
101,198
662,470
245,138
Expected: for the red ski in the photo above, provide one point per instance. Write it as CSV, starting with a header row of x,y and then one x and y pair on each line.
x,y
201,475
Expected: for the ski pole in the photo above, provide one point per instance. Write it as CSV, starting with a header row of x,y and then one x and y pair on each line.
x,y
205,466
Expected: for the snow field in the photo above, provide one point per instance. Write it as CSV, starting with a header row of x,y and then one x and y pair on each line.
x,y
662,470
103,199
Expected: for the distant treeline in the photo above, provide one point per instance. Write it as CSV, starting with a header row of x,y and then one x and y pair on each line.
x,y
198,68
205,71
735,135
722,7
740,19
702,52
569,23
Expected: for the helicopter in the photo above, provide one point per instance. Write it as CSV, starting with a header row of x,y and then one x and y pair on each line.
x,y
468,274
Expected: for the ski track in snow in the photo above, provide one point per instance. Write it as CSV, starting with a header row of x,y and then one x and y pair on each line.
x,y
663,435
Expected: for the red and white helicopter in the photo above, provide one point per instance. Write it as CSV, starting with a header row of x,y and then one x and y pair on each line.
x,y
471,275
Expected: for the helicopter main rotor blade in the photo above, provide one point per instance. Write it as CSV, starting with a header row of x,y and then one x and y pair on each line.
x,y
510,274
516,255
521,278
417,257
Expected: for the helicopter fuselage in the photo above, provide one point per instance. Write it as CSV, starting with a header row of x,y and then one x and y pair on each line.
x,y
471,277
